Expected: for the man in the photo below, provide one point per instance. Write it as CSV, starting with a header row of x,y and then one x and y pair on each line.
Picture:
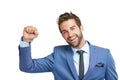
x,y
66,61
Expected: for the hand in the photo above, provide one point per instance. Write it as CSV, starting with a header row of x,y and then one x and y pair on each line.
x,y
29,33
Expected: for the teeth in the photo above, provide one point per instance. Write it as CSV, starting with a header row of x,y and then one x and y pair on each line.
x,y
72,38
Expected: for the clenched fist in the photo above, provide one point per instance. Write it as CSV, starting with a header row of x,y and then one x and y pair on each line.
x,y
29,33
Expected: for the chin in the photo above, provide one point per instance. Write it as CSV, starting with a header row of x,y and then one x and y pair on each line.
x,y
74,45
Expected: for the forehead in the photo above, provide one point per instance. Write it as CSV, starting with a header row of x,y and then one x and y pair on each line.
x,y
67,24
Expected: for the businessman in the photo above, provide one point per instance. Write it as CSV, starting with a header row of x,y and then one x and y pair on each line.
x,y
79,60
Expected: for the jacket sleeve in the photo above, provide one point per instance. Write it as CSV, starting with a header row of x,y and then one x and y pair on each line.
x,y
111,73
27,64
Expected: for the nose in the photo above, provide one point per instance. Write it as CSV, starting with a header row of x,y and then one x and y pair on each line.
x,y
70,33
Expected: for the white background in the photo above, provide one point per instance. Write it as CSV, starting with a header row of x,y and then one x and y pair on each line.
x,y
100,18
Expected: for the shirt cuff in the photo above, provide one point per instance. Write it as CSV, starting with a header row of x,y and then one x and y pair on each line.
x,y
24,44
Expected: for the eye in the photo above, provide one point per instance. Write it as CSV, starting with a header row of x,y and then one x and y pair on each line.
x,y
72,28
64,32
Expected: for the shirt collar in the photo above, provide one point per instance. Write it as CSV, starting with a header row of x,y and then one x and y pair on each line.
x,y
84,48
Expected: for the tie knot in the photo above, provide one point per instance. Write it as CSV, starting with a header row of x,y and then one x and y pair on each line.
x,y
80,52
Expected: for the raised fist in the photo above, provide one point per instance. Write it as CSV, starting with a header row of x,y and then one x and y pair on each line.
x,y
29,33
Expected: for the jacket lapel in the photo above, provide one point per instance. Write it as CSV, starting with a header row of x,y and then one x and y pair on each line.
x,y
69,54
91,63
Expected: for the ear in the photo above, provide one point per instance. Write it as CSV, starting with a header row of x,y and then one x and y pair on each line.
x,y
81,28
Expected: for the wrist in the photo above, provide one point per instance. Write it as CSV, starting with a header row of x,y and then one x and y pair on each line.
x,y
26,40
23,43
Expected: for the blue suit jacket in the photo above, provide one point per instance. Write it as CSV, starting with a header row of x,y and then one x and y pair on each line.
x,y
61,64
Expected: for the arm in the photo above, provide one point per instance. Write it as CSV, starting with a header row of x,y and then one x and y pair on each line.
x,y
111,73
27,64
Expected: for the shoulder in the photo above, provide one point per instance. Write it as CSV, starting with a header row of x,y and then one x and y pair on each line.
x,y
96,47
99,50
61,47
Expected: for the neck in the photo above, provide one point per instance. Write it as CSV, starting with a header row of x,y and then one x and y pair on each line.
x,y
81,44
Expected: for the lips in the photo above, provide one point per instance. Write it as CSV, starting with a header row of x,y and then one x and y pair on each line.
x,y
72,38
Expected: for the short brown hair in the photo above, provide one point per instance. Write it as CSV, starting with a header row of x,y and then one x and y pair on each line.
x,y
66,16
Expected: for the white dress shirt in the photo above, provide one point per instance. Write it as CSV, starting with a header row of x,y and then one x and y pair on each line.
x,y
86,56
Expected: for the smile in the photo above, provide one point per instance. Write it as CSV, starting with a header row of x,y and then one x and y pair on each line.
x,y
72,38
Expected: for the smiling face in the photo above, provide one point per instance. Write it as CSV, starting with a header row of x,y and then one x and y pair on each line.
x,y
72,33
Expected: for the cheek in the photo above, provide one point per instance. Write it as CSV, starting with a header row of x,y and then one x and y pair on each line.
x,y
78,33
65,36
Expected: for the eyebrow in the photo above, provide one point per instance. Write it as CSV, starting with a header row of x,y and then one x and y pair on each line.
x,y
72,26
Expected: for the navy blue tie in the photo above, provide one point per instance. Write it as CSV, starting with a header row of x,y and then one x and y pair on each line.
x,y
81,64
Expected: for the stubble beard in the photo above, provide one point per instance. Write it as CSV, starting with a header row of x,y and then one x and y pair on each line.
x,y
78,42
